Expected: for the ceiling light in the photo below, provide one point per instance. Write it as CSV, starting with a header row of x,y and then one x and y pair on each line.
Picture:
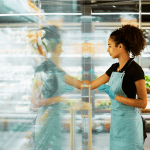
x,y
42,14
115,13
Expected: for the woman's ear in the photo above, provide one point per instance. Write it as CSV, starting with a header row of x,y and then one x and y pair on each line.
x,y
121,45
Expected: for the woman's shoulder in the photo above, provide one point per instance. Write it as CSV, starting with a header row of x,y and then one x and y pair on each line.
x,y
112,68
44,66
135,71
135,67
41,67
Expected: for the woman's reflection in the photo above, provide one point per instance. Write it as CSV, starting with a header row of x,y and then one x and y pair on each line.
x,y
49,83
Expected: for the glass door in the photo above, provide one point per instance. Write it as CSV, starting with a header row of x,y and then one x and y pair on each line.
x,y
77,37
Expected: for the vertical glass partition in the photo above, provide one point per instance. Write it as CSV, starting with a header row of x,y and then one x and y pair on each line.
x,y
35,100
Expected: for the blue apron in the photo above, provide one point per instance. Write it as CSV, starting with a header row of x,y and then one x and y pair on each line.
x,y
126,132
48,133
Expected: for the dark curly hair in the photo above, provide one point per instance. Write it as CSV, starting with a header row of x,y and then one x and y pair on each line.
x,y
131,37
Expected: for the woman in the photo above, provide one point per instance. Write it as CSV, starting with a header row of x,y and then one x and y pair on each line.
x,y
125,80
48,86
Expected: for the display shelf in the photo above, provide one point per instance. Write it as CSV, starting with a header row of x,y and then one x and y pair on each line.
x,y
17,120
9,109
145,111
62,55
18,115
14,140
102,111
20,142
13,91
145,55
148,95
146,116
10,115
20,55
78,95
20,102
15,79
17,7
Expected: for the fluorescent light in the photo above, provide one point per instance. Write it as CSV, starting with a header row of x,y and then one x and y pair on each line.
x,y
145,13
114,13
35,14
119,13
67,14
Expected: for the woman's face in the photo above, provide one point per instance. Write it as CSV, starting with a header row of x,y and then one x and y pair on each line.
x,y
112,50
58,49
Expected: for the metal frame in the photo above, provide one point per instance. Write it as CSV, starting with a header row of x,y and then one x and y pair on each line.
x,y
72,122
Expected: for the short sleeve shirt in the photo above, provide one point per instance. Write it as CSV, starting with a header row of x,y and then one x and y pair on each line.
x,y
133,73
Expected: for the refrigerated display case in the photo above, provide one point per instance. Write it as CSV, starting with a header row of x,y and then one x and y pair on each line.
x,y
84,36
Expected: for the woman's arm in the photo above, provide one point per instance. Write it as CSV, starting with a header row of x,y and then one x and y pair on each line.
x,y
141,102
38,101
98,82
72,81
49,101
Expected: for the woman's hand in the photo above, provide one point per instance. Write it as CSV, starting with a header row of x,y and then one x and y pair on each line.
x,y
108,90
86,82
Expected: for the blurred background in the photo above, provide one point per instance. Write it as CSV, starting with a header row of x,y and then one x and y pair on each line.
x,y
85,26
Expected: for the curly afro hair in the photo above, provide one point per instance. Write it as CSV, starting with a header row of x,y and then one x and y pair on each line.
x,y
131,37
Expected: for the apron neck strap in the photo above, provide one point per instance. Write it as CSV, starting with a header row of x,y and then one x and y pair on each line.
x,y
127,65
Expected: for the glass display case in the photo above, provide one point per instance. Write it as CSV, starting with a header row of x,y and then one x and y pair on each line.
x,y
85,27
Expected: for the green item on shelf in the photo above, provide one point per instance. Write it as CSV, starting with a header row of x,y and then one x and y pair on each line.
x,y
147,81
104,105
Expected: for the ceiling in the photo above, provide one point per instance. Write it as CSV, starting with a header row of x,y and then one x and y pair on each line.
x,y
76,6
96,6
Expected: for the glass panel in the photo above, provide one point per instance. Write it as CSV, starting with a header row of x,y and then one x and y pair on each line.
x,y
33,118
19,7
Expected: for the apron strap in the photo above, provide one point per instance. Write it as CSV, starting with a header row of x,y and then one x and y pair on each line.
x,y
128,65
